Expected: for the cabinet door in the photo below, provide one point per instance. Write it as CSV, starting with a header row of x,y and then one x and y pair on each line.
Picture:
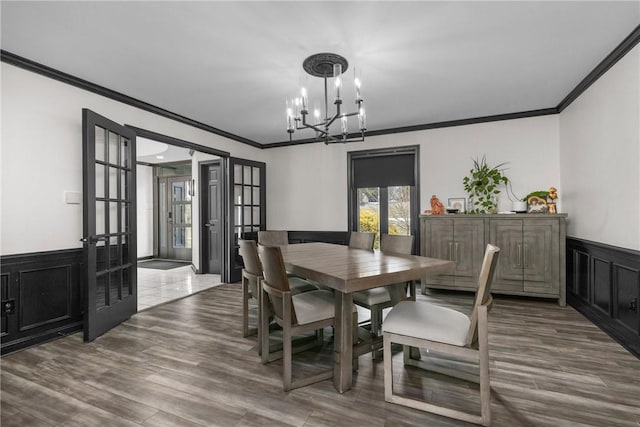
x,y
540,256
439,245
507,235
468,250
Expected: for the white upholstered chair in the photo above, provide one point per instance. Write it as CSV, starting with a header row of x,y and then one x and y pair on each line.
x,y
377,299
296,314
251,276
446,332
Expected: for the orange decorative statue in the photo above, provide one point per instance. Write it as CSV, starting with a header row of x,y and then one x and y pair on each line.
x,y
553,195
437,208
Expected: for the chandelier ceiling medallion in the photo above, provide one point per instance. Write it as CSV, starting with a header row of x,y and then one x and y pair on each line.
x,y
327,66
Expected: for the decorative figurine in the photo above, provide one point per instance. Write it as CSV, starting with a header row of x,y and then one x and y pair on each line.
x,y
437,208
553,194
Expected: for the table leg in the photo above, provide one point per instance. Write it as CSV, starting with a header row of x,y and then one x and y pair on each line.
x,y
343,342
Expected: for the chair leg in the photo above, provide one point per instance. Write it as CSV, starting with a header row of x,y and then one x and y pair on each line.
x,y
483,349
264,328
388,373
376,320
245,307
287,364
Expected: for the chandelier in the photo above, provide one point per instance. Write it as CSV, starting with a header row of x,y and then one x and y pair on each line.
x,y
326,65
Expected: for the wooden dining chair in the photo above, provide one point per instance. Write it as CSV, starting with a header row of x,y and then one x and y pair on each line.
x,y
273,237
251,277
359,240
445,332
377,299
297,314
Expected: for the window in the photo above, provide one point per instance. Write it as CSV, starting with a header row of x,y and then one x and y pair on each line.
x,y
383,191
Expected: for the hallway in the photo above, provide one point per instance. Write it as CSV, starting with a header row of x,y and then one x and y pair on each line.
x,y
160,286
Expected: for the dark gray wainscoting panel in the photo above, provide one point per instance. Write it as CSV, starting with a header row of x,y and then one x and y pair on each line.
x,y
337,237
603,283
41,297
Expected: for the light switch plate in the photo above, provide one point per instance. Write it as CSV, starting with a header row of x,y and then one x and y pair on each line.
x,y
72,197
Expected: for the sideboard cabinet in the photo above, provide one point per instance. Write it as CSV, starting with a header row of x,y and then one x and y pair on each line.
x,y
532,252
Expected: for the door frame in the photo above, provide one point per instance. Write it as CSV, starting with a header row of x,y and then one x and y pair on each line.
x,y
224,159
203,190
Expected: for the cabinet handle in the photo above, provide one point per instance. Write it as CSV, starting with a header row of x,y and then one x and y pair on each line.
x,y
519,257
450,254
526,256
456,251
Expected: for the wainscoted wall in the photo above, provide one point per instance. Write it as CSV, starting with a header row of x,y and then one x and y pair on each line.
x,y
337,237
603,283
41,297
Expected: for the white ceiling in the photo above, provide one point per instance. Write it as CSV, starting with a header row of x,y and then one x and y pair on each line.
x,y
232,65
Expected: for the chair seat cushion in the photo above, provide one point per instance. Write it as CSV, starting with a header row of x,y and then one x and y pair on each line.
x,y
298,286
427,321
313,306
370,297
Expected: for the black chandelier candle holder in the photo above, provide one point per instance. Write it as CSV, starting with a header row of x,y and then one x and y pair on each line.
x,y
327,65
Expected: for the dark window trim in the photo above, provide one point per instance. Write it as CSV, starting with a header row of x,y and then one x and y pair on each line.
x,y
407,149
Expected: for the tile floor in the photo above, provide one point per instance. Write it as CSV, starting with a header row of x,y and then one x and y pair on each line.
x,y
160,286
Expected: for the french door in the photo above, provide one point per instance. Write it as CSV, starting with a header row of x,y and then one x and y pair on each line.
x,y
247,208
384,191
385,210
175,233
109,223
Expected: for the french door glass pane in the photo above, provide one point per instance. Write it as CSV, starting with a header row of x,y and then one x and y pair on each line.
x,y
113,148
100,171
114,287
101,291
100,217
256,176
100,146
399,210
113,183
369,210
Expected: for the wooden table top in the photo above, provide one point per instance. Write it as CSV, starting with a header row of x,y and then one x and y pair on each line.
x,y
348,270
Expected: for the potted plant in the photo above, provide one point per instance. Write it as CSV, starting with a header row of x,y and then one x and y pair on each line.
x,y
483,186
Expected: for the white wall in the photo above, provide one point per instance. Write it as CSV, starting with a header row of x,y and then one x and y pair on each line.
x,y
600,157
42,156
144,199
307,184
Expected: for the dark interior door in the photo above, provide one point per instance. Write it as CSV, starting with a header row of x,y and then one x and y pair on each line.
x,y
246,208
211,215
109,223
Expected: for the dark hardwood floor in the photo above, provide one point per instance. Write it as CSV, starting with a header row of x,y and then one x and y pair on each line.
x,y
186,364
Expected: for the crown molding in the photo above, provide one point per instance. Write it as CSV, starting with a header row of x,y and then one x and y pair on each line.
x,y
27,64
618,53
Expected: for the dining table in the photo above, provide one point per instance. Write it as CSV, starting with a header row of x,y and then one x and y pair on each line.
x,y
347,270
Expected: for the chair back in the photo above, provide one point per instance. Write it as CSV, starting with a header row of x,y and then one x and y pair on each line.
x,y
249,253
396,243
275,277
273,238
483,294
360,240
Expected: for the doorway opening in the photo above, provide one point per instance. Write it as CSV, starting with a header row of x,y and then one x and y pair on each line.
x,y
169,244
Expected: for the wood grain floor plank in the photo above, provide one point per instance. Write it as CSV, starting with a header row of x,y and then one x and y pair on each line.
x,y
186,364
